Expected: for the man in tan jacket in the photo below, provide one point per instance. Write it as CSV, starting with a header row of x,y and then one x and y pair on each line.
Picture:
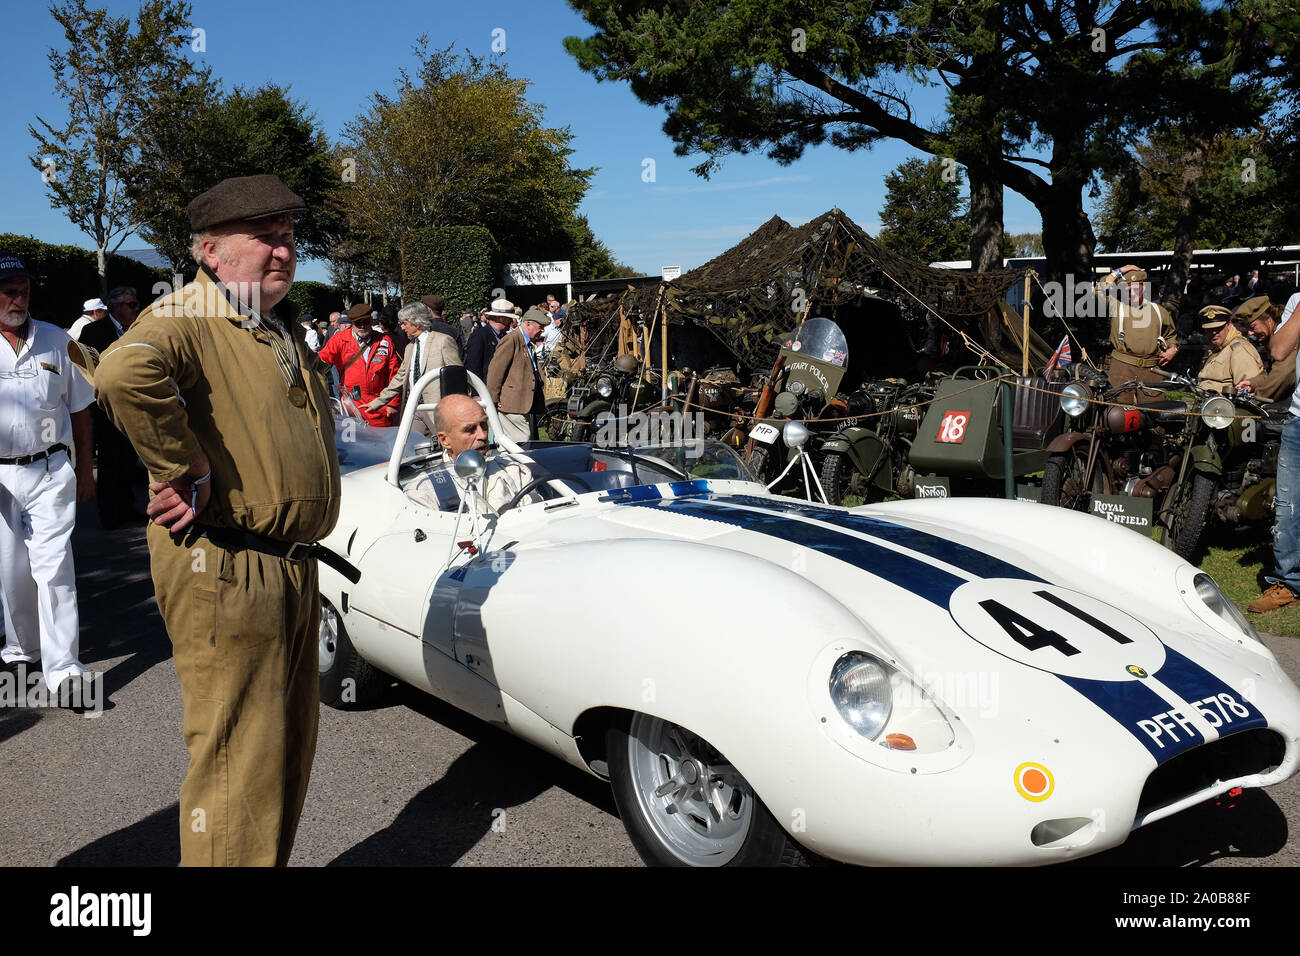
x,y
1233,359
427,351
1277,382
513,379
220,396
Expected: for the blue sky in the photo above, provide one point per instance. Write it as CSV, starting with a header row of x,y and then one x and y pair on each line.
x,y
333,54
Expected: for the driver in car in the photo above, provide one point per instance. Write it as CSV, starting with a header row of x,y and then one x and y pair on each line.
x,y
462,426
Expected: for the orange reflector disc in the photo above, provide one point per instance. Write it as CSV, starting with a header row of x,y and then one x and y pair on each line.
x,y
899,742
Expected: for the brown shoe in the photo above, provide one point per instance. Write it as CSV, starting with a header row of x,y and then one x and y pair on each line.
x,y
1277,596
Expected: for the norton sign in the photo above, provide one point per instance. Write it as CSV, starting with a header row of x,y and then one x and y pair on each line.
x,y
536,273
1131,512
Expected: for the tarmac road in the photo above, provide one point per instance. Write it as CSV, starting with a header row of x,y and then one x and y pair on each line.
x,y
410,782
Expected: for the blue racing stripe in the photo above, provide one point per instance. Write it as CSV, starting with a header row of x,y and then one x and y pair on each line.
x,y
911,574
1193,683
950,552
1132,701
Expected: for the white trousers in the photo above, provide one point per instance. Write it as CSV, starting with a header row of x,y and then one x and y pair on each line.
x,y
38,506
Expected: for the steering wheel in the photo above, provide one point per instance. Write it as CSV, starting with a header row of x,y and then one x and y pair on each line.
x,y
541,479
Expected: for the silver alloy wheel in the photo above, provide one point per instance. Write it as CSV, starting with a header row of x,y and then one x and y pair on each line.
x,y
698,806
329,636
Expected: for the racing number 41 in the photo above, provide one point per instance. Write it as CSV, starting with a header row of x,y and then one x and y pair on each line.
x,y
1033,636
952,427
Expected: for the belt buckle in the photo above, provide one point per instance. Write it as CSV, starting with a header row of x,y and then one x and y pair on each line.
x,y
299,551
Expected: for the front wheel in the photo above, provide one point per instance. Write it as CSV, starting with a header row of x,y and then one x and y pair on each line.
x,y
841,478
1191,508
346,678
1066,482
683,804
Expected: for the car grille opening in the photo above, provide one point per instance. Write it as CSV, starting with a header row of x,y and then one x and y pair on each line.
x,y
1240,755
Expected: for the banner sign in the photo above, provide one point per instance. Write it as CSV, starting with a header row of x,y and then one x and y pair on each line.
x,y
1135,513
537,273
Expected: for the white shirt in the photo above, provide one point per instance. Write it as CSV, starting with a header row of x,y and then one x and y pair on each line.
x,y
551,337
79,325
313,339
39,389
1291,305
421,343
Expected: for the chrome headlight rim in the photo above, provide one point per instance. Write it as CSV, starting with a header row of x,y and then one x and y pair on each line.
x,y
605,386
1218,412
1075,399
869,715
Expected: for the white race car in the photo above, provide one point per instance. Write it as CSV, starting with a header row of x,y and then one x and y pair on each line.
x,y
963,681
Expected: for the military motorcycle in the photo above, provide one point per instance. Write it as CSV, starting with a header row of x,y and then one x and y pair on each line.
x,y
603,387
867,457
803,385
1164,464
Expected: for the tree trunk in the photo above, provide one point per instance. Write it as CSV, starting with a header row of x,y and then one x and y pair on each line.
x,y
102,261
1189,214
986,229
1068,239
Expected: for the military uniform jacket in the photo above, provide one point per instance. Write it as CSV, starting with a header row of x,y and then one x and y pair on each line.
x,y
1278,382
512,380
1235,362
193,373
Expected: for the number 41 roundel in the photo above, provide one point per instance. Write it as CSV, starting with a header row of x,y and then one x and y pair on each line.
x,y
1053,629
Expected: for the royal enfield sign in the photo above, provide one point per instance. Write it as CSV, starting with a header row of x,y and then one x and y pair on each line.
x,y
1135,513
537,273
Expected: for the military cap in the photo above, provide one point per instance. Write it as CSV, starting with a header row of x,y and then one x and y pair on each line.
x,y
359,311
1137,275
536,315
1214,317
1252,309
241,198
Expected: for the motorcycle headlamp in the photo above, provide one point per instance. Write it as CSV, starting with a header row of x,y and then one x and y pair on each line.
x,y
1075,399
605,386
860,689
1218,412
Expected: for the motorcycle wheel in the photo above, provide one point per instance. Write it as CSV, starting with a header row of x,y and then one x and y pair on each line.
x,y
1065,483
557,419
1191,508
840,479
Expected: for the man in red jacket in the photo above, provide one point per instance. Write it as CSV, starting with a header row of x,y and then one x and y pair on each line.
x,y
366,360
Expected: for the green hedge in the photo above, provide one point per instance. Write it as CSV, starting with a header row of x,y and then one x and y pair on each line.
x,y
460,263
63,277
319,298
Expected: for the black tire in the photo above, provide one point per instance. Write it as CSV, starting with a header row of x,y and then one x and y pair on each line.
x,y
760,463
840,477
346,678
759,841
1064,482
1191,510
557,419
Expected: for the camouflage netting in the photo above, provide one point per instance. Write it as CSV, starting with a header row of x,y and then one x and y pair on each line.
x,y
752,295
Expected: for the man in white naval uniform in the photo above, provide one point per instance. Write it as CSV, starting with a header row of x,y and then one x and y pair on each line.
x,y
43,416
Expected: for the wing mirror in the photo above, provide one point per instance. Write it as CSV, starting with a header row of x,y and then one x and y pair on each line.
x,y
470,465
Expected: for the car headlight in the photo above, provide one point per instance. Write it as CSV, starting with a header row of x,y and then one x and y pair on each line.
x,y
860,689
1218,602
1218,412
1075,399
604,386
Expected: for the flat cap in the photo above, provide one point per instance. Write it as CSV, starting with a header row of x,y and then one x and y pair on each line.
x,y
434,303
243,197
1214,317
1252,309
359,311
536,315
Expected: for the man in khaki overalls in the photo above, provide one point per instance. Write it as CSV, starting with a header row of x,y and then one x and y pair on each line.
x,y
1142,333
221,398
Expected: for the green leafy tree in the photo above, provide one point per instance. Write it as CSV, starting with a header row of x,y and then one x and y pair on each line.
x,y
459,144
1023,244
203,136
1074,80
925,215
111,76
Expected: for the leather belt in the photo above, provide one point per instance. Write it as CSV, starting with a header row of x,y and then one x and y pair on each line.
x,y
40,455
235,539
1128,358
